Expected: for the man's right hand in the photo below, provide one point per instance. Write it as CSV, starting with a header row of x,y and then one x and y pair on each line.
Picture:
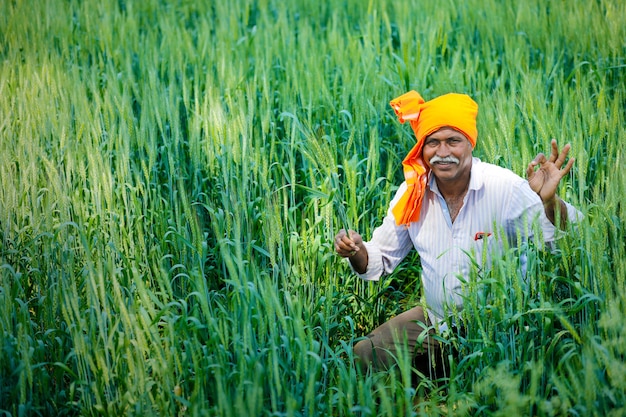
x,y
350,245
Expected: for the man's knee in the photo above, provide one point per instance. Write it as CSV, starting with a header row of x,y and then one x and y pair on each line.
x,y
375,353
363,353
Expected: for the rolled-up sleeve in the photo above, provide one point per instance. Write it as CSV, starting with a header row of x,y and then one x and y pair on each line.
x,y
375,267
526,207
573,214
389,245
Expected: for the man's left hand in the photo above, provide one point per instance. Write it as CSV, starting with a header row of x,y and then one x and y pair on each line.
x,y
545,180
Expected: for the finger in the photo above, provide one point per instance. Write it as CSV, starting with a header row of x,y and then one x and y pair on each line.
x,y
341,239
341,245
540,159
568,167
343,249
554,152
355,237
530,170
346,251
351,245
562,156
337,249
347,238
347,244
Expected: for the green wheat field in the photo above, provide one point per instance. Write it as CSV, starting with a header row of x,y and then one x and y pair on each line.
x,y
173,172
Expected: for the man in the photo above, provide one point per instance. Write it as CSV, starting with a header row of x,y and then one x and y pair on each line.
x,y
457,212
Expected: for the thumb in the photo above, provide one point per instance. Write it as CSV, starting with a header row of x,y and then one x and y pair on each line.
x,y
356,238
530,170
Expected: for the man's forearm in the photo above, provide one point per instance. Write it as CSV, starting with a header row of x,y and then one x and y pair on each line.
x,y
551,208
359,260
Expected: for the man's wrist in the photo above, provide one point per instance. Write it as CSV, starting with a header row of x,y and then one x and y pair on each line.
x,y
552,207
359,260
551,202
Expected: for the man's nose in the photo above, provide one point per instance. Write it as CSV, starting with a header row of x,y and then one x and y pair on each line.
x,y
443,150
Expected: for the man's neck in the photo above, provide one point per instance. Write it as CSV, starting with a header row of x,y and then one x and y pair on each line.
x,y
453,193
453,189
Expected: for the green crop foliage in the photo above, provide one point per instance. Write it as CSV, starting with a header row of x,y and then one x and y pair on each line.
x,y
173,172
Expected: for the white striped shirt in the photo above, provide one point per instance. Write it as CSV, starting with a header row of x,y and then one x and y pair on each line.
x,y
499,206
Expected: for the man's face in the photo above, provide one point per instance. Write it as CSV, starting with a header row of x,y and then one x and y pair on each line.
x,y
448,153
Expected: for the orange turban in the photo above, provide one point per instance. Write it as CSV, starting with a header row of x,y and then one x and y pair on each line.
x,y
457,111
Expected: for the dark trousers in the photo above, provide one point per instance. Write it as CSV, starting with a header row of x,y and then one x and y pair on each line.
x,y
409,331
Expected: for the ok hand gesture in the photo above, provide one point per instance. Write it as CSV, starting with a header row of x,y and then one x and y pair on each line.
x,y
545,180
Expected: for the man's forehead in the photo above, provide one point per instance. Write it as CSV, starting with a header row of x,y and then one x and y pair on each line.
x,y
446,133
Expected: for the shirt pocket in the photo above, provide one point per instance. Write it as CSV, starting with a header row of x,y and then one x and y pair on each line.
x,y
484,246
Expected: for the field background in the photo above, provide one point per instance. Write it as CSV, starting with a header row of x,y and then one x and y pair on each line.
x,y
172,174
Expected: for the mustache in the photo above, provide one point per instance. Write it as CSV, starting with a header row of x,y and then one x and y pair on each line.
x,y
450,158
